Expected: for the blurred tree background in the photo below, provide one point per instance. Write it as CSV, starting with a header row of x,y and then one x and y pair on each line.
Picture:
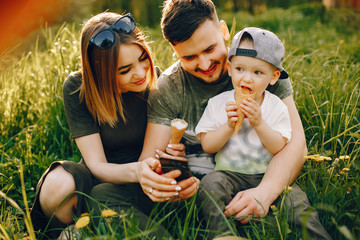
x,y
148,12
21,19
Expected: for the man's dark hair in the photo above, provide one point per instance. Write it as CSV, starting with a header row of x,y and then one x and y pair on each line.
x,y
181,18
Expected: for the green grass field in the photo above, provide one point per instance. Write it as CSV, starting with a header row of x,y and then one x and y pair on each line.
x,y
322,59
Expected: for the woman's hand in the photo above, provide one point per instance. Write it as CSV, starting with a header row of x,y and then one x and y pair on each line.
x,y
158,188
189,187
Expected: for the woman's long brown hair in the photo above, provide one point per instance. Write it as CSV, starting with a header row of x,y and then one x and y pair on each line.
x,y
99,88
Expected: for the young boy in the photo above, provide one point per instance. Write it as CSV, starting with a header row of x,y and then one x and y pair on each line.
x,y
255,62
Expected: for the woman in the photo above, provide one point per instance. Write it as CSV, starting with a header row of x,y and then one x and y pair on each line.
x,y
105,105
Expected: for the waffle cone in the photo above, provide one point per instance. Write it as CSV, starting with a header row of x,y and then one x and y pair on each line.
x,y
177,133
240,95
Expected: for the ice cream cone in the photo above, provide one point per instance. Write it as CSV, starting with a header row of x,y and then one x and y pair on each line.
x,y
178,127
240,95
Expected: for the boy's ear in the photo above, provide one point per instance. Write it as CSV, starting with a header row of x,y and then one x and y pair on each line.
x,y
228,65
224,30
275,76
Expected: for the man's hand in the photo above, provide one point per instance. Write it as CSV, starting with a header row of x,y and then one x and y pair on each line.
x,y
177,150
252,202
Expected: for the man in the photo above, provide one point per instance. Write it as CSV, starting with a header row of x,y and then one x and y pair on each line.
x,y
198,39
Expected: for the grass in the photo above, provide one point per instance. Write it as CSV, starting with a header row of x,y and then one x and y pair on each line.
x,y
322,58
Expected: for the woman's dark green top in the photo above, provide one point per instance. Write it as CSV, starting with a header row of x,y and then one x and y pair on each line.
x,y
122,143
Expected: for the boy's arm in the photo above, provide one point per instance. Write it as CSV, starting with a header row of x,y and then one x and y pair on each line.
x,y
213,141
271,139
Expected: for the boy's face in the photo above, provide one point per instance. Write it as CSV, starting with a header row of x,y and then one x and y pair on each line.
x,y
252,73
204,55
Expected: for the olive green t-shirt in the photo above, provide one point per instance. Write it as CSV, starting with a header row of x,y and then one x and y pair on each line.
x,y
122,143
182,95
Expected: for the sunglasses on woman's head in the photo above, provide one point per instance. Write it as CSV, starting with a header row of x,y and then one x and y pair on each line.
x,y
106,38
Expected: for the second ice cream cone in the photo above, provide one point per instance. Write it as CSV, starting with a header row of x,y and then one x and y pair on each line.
x,y
178,127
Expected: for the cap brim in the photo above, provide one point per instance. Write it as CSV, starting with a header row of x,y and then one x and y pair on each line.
x,y
283,75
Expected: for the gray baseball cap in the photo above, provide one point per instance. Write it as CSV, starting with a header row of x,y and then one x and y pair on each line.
x,y
267,47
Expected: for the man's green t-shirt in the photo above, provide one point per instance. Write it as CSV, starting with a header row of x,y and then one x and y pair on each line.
x,y
182,95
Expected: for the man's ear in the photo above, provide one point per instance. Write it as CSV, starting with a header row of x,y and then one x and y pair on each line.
x,y
228,65
224,30
275,76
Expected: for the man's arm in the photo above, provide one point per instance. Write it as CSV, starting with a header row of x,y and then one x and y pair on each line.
x,y
282,171
285,166
157,136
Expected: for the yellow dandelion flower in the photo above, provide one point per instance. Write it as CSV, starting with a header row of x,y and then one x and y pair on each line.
x,y
326,158
84,214
108,213
317,158
312,157
328,171
345,169
82,222
346,157
341,172
273,207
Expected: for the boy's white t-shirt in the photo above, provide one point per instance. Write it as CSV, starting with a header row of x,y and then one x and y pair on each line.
x,y
244,152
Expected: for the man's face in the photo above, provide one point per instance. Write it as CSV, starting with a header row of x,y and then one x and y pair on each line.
x,y
204,55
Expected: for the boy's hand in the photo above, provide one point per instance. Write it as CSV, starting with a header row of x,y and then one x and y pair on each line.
x,y
231,114
252,110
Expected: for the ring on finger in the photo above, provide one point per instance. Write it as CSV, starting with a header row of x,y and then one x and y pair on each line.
x,y
151,190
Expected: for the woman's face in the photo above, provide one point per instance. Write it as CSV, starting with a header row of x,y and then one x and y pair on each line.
x,y
133,67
